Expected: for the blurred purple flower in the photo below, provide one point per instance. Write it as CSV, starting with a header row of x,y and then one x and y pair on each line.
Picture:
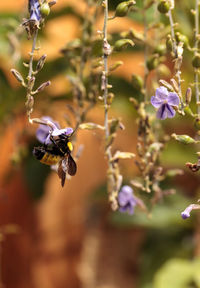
x,y
34,10
164,101
186,213
44,132
126,200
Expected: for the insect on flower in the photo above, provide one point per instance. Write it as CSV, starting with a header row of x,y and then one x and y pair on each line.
x,y
57,150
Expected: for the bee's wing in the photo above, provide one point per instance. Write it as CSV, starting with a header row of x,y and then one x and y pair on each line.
x,y
61,172
71,165
66,165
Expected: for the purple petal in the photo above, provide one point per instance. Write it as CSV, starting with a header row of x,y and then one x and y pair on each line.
x,y
42,133
185,215
162,93
34,9
156,102
65,131
162,112
170,111
173,99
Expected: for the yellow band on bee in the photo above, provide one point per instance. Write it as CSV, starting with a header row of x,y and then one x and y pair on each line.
x,y
70,146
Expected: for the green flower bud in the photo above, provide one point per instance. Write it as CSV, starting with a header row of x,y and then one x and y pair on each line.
x,y
163,6
152,62
169,43
160,49
45,9
137,82
188,111
196,61
197,123
123,7
182,38
123,43
184,139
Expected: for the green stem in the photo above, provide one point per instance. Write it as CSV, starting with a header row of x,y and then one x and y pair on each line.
x,y
196,45
175,51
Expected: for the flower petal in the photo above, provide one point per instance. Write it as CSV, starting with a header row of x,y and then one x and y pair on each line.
x,y
170,111
173,99
156,102
162,93
162,112
65,131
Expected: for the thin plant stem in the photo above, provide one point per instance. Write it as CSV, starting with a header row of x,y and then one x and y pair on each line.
x,y
146,72
105,59
196,44
32,55
177,59
112,190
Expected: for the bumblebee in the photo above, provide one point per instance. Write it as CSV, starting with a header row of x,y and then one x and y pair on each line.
x,y
59,152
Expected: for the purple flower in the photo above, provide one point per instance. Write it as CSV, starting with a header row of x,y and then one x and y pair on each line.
x,y
186,213
34,10
51,127
126,200
164,101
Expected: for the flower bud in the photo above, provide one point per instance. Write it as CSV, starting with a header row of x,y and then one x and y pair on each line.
x,y
196,61
184,139
45,9
123,7
169,43
122,44
110,98
182,38
197,123
188,95
160,49
137,82
163,71
163,6
17,75
43,86
41,62
115,66
152,62
188,111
